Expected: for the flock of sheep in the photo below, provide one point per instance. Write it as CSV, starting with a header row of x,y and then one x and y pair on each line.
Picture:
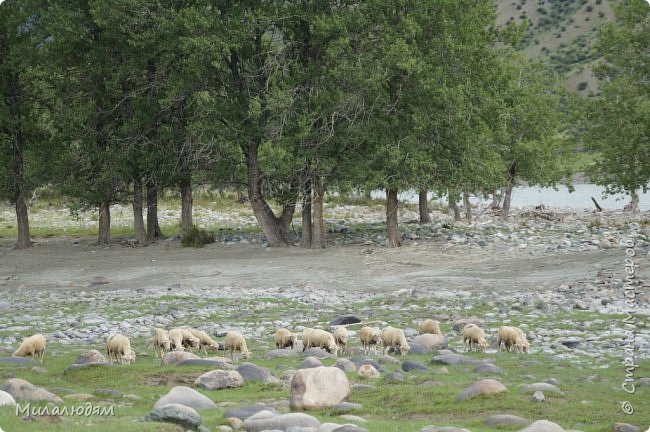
x,y
118,346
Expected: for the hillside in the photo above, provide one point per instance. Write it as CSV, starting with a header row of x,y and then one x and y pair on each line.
x,y
562,32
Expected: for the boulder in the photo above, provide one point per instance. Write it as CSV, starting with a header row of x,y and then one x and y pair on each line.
x,y
92,356
543,426
245,412
431,341
6,399
368,371
318,388
212,363
505,420
24,390
625,427
173,357
267,420
543,387
219,379
345,365
344,320
176,413
185,396
488,368
485,386
455,359
310,362
252,372
410,365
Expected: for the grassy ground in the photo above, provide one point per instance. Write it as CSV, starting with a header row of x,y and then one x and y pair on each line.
x,y
591,387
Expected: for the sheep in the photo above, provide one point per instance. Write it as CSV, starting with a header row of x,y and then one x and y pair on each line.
x,y
284,338
341,338
369,336
205,341
118,347
474,336
181,338
33,346
430,326
235,342
510,338
319,339
394,337
161,341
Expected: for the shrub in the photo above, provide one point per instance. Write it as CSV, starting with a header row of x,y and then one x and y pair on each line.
x,y
197,237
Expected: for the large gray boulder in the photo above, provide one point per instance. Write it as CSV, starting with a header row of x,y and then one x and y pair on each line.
x,y
24,390
431,341
173,357
6,399
185,396
253,372
268,420
219,379
318,388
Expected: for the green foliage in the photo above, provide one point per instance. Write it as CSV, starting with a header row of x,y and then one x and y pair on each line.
x,y
197,237
618,123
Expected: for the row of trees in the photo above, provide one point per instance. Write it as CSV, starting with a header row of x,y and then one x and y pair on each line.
x,y
115,100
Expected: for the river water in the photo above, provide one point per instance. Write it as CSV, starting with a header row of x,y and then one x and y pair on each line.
x,y
528,196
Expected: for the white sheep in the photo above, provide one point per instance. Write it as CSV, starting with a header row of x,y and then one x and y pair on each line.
x,y
205,341
394,337
118,347
369,336
284,338
161,343
320,339
234,341
181,338
512,338
341,338
474,336
33,346
430,326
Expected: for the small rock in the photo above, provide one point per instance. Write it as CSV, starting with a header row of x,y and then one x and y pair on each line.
x,y
344,320
624,427
431,341
99,280
431,428
348,428
345,407
176,413
185,396
368,371
455,359
538,396
543,387
266,420
310,362
505,420
410,365
219,379
543,426
488,368
245,412
252,372
24,390
92,356
485,386
173,357
212,363
345,365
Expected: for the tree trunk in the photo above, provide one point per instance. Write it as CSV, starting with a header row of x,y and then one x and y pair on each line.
x,y
138,220
496,200
425,217
276,229
104,234
392,227
505,210
318,227
153,228
23,240
512,171
306,213
468,207
186,204
452,198
633,205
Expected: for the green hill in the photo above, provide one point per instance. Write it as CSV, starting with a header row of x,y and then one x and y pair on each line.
x,y
562,32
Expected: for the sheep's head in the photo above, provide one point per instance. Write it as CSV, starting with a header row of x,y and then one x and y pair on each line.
x,y
404,348
245,354
130,356
294,339
482,343
166,344
332,348
522,345
194,341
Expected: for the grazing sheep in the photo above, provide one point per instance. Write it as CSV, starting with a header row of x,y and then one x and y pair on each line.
x,y
161,342
33,346
319,339
430,326
205,341
341,338
181,338
394,337
474,337
510,338
118,347
234,341
284,338
369,336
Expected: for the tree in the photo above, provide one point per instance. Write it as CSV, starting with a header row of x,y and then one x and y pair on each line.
x,y
618,122
22,122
